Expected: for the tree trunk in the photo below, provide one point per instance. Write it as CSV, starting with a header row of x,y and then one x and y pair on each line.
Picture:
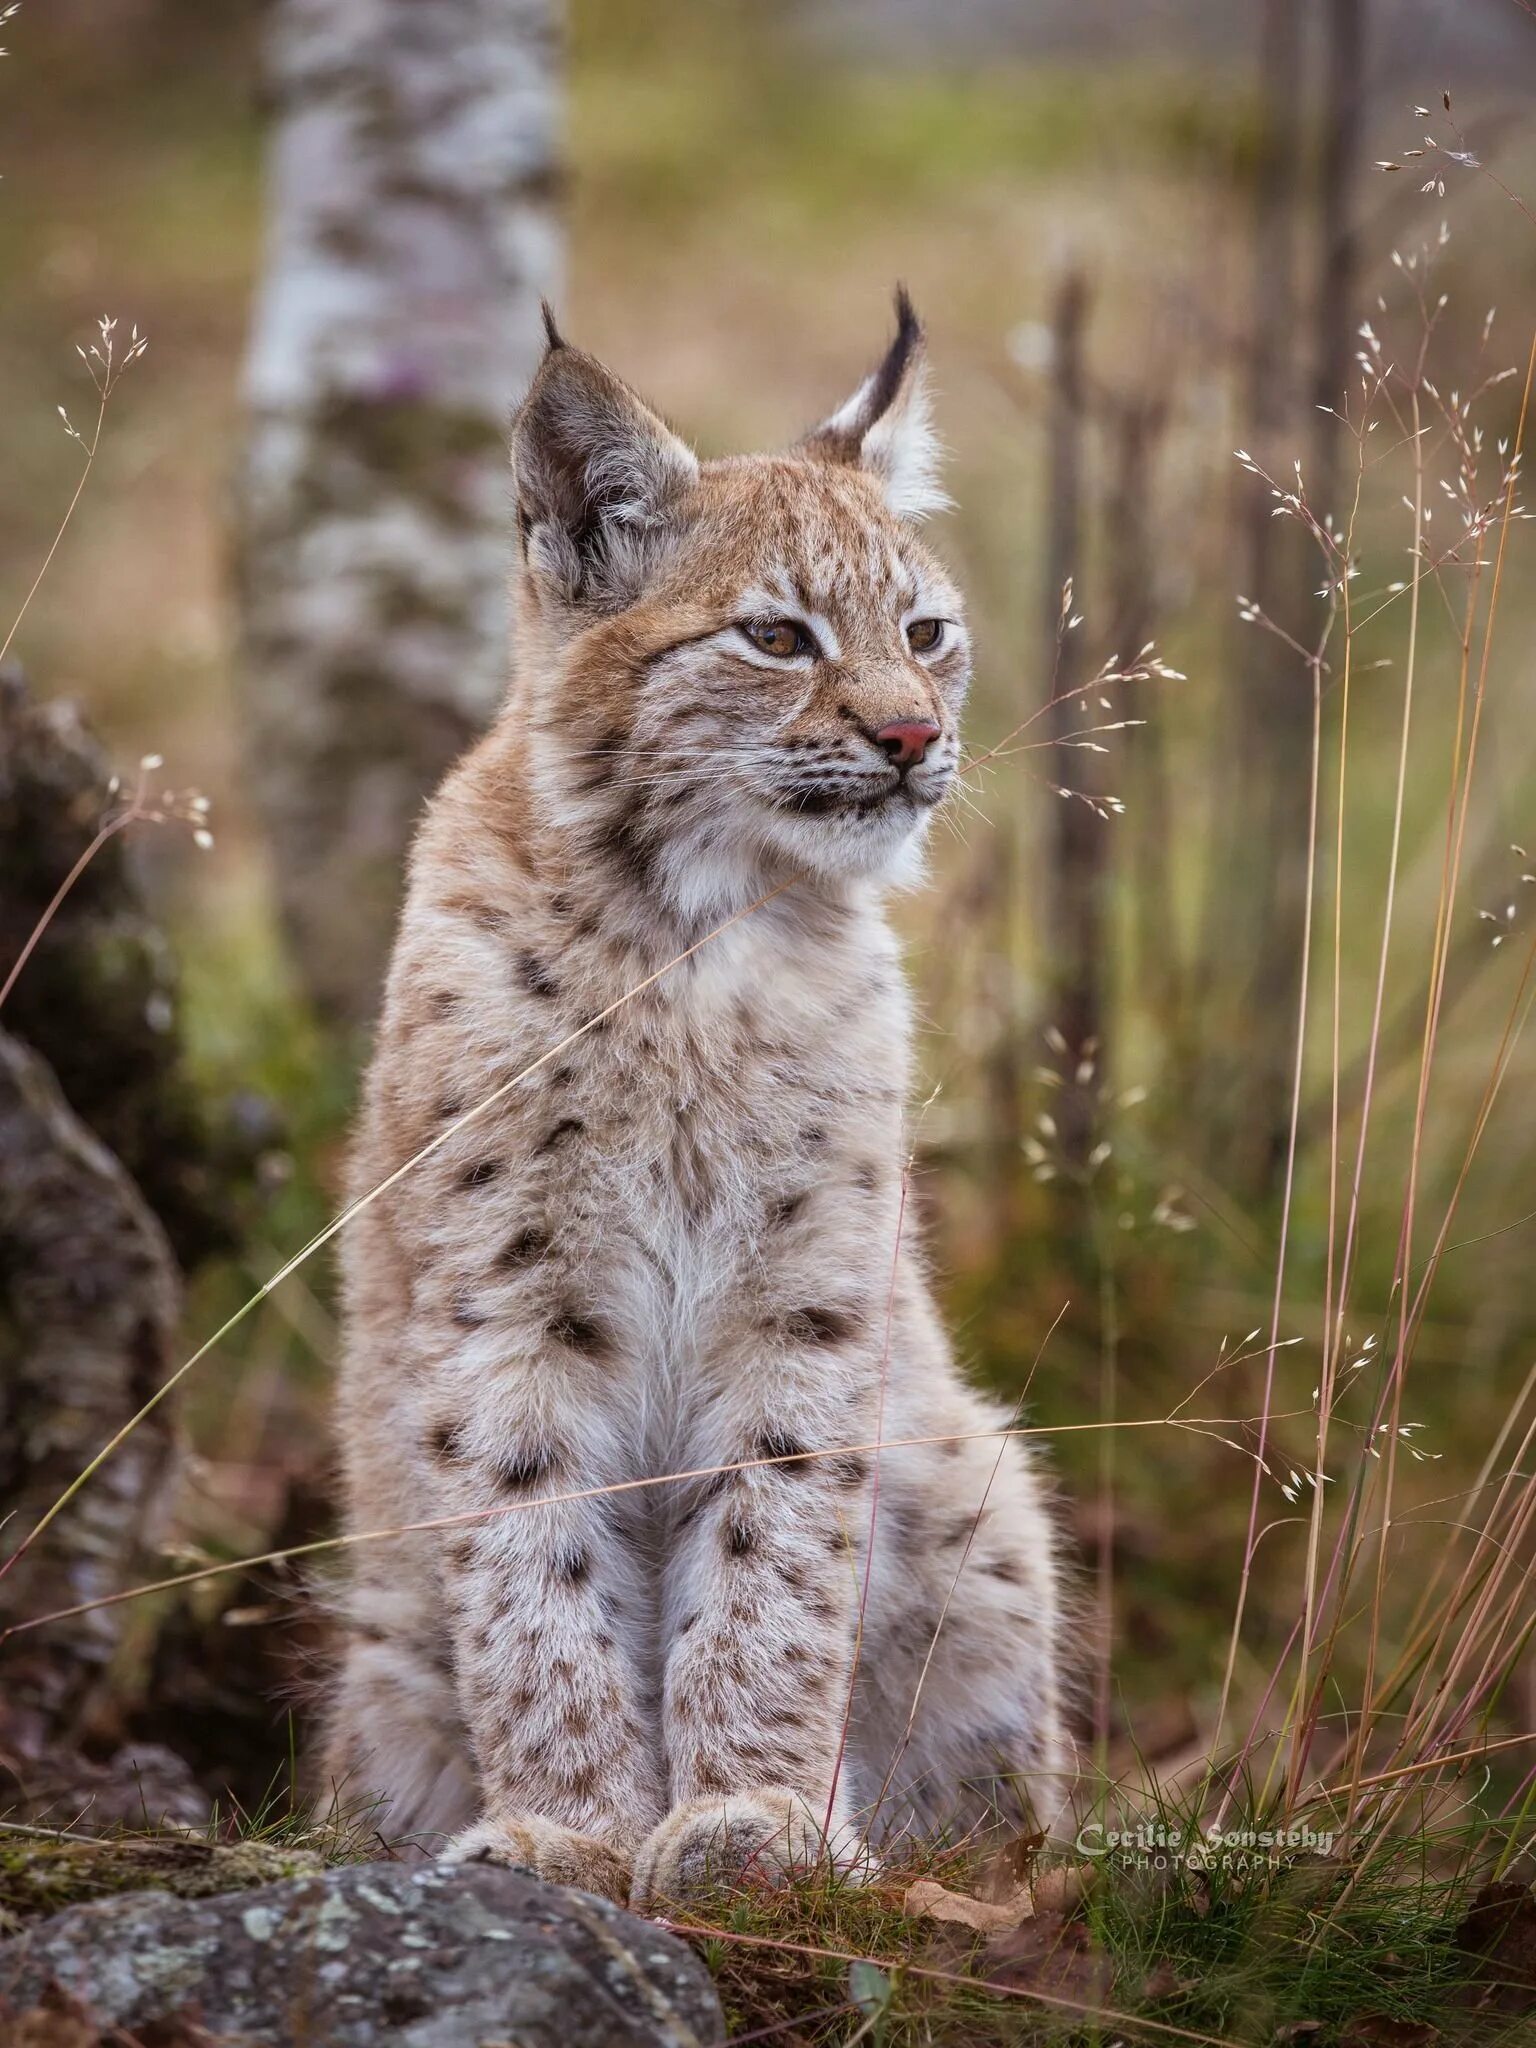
x,y
1257,907
411,233
1076,924
1136,427
1344,57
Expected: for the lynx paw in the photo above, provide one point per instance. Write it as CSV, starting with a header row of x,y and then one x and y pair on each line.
x,y
554,1852
711,1843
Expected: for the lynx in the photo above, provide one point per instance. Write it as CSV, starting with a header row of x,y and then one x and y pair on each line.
x,y
678,1245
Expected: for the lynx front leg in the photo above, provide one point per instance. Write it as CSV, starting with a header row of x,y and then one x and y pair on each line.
x,y
548,1613
761,1605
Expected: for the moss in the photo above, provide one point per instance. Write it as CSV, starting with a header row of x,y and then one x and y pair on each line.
x,y
42,1877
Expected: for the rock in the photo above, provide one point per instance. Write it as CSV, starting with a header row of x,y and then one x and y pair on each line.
x,y
100,998
419,1955
144,1784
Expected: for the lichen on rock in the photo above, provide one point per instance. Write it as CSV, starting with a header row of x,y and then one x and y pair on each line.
x,y
423,1955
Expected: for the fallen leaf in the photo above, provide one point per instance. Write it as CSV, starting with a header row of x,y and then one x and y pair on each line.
x,y
1164,1981
1500,1932
929,1900
59,2020
1012,1866
1063,1889
1050,1953
1006,1898
1380,2030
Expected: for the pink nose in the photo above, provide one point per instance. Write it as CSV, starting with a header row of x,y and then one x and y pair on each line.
x,y
906,740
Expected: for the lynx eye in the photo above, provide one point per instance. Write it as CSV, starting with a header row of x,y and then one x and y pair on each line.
x,y
924,635
781,638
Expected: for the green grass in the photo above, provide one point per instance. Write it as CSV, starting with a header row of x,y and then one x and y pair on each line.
x,y
873,141
1246,1952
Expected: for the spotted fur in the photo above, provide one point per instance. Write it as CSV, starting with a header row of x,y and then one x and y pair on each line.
x,y
674,1245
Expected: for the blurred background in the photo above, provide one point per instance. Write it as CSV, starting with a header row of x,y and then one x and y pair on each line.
x,y
1139,241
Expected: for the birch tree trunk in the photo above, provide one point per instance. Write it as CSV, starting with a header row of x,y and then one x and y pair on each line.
x,y
411,233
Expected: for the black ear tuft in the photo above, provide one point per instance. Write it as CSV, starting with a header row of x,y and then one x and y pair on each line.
x,y
884,427
889,377
553,338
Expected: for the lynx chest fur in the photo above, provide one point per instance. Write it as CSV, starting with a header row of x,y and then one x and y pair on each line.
x,y
741,1114
646,1021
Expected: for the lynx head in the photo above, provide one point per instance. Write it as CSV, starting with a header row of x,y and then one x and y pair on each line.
x,y
742,669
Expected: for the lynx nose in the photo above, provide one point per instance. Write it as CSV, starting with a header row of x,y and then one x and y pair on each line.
x,y
906,740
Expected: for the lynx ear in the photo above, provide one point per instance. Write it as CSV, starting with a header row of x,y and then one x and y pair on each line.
x,y
886,428
599,479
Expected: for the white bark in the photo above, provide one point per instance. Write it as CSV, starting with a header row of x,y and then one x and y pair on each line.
x,y
412,231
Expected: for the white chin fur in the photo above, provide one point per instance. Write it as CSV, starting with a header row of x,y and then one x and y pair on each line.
x,y
886,847
749,849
